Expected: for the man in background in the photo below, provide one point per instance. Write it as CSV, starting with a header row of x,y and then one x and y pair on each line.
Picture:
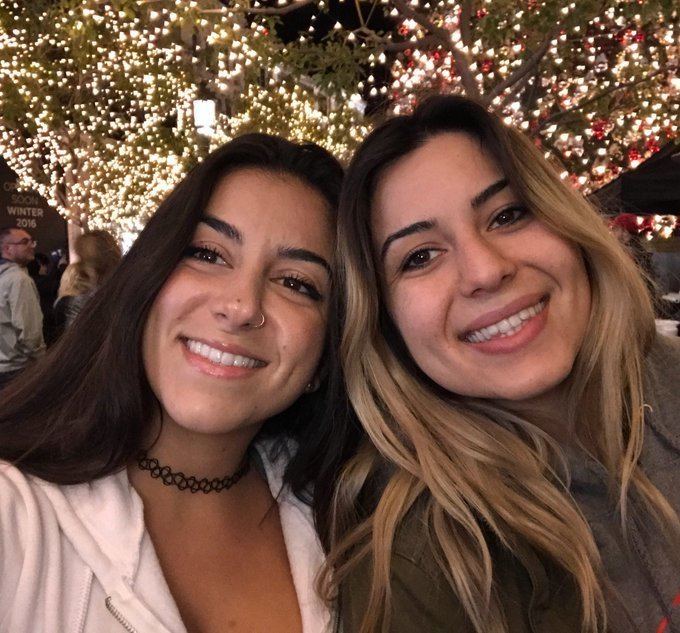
x,y
21,335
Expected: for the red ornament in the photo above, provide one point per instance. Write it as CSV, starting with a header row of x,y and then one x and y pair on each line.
x,y
599,128
403,31
652,146
639,36
487,65
634,154
481,13
532,5
436,56
626,222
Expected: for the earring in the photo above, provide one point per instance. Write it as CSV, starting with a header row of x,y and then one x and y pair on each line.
x,y
312,385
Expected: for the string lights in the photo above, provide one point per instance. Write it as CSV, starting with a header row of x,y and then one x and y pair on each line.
x,y
97,99
599,92
97,96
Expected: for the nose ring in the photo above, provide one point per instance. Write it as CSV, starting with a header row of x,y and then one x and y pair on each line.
x,y
260,324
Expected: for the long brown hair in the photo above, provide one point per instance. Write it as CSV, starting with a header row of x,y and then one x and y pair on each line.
x,y
84,410
481,470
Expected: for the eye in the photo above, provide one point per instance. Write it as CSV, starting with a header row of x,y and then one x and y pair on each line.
x,y
204,254
420,258
508,216
301,286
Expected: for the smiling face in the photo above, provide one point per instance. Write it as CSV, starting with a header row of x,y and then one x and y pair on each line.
x,y
489,301
261,251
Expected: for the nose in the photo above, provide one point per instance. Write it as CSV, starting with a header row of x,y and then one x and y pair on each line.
x,y
238,305
483,265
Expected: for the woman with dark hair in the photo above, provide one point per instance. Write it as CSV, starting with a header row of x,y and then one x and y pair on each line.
x,y
153,477
499,350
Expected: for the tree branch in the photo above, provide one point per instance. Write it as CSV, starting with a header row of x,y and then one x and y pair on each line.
x,y
444,36
289,8
423,44
600,95
426,43
465,17
526,68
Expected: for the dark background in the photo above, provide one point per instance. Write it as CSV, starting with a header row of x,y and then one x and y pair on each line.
x,y
27,210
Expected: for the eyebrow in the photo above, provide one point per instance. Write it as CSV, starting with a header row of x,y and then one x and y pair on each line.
x,y
489,193
302,254
416,227
228,230
286,252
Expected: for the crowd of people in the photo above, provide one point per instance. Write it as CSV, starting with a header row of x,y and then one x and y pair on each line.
x,y
40,296
422,394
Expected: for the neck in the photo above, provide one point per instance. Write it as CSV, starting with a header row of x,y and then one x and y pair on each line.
x,y
549,412
201,455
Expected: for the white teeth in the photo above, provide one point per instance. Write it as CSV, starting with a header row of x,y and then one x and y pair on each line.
x,y
505,327
222,358
514,320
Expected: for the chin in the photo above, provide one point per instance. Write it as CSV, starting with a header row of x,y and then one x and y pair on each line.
x,y
205,417
532,387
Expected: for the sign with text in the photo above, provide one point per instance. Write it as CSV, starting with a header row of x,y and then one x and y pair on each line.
x,y
29,211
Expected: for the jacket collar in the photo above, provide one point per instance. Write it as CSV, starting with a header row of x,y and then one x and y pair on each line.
x,y
104,520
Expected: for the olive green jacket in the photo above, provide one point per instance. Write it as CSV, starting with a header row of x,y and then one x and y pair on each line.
x,y
537,597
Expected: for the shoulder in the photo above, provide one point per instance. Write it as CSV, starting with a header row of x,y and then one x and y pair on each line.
x,y
11,273
28,528
664,349
18,492
662,374
421,596
27,514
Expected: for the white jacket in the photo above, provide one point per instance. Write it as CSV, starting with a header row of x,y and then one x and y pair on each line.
x,y
78,559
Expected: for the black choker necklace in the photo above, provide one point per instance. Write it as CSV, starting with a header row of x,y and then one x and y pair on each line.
x,y
181,481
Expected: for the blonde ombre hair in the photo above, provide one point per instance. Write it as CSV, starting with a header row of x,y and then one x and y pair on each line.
x,y
478,467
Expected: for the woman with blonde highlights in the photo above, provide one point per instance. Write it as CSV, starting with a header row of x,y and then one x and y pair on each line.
x,y
499,350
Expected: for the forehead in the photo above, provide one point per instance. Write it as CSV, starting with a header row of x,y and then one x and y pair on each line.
x,y
18,234
444,173
264,204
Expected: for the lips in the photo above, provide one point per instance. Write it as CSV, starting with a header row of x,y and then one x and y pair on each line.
x,y
506,321
221,355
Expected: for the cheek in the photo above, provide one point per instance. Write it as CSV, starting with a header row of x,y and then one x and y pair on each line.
x,y
419,316
301,338
167,307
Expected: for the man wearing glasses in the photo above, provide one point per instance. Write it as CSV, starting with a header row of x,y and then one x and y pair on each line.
x,y
21,336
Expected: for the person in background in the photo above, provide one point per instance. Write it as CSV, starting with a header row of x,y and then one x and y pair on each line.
x,y
500,351
160,461
98,255
43,270
21,320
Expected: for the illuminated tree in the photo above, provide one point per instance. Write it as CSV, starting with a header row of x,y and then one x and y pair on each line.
x,y
594,82
96,97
